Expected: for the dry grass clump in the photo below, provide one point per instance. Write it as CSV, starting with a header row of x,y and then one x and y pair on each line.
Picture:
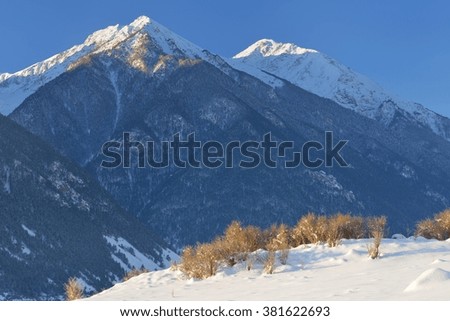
x,y
311,228
314,228
269,262
237,242
134,272
437,228
74,290
279,241
353,227
344,226
377,227
200,262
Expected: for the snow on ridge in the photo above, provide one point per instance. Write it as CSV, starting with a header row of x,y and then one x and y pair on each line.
x,y
315,72
4,76
16,87
29,231
326,77
134,258
92,42
269,47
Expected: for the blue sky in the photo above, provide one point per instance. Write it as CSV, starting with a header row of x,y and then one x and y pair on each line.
x,y
402,45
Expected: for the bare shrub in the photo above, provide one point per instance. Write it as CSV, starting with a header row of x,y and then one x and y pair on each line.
x,y
134,272
284,254
283,240
74,290
443,220
187,264
352,227
225,253
280,242
428,229
335,229
344,226
251,259
253,238
233,242
311,228
437,228
377,226
200,262
269,262
238,242
268,235
208,259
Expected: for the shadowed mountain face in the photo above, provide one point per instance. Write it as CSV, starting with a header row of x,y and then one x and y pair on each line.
x,y
155,87
56,223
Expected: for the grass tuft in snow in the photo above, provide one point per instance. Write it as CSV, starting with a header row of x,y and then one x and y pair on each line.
x,y
74,290
377,226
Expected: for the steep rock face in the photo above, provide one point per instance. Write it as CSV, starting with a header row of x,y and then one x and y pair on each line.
x,y
326,77
56,223
155,87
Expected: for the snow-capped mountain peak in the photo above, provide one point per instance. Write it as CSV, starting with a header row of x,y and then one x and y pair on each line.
x,y
16,87
328,78
162,37
269,47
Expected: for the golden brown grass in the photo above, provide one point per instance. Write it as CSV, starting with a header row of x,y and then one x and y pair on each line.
x,y
436,228
74,290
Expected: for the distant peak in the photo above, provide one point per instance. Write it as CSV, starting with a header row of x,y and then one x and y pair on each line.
x,y
102,35
269,47
141,21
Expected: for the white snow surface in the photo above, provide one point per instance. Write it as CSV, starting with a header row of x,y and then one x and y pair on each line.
x,y
15,88
409,269
326,77
6,179
29,231
133,257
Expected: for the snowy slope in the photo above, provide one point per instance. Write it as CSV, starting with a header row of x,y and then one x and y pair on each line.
x,y
16,87
325,77
409,269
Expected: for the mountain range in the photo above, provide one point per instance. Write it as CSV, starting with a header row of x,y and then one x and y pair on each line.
x,y
144,79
